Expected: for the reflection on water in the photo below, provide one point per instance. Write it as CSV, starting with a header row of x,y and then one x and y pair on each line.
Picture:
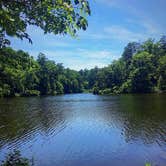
x,y
86,130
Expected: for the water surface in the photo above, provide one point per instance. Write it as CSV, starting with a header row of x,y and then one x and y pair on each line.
x,y
86,129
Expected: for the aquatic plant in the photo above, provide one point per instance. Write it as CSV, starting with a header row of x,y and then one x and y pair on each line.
x,y
147,164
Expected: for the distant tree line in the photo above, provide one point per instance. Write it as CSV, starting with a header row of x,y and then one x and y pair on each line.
x,y
21,75
141,69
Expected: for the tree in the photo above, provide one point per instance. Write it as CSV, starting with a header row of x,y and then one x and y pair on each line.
x,y
47,75
118,68
145,71
130,50
142,73
151,47
162,43
52,16
162,74
18,72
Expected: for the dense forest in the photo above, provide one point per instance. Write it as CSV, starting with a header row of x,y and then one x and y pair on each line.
x,y
21,75
141,69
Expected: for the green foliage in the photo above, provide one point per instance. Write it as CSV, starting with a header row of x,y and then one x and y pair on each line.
x,y
142,72
162,44
96,90
58,17
15,159
142,69
5,90
21,75
31,93
126,87
162,72
105,91
147,164
59,88
130,50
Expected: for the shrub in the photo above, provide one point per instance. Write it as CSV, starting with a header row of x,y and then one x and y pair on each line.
x,y
5,90
126,87
31,93
15,159
95,90
106,91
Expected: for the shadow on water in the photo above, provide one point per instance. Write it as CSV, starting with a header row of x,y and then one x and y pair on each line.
x,y
86,129
22,118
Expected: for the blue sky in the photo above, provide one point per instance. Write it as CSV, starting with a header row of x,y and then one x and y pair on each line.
x,y
112,25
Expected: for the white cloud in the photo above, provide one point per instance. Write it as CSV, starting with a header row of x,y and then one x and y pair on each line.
x,y
140,16
123,34
150,29
78,53
120,33
98,54
126,34
78,64
80,58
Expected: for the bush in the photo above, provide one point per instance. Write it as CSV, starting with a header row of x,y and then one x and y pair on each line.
x,y
105,91
59,88
126,87
162,84
31,93
147,164
5,90
15,159
95,90
116,90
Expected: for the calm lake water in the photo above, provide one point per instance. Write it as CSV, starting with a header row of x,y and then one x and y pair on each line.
x,y
86,129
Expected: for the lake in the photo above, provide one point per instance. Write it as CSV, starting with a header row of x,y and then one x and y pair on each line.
x,y
86,129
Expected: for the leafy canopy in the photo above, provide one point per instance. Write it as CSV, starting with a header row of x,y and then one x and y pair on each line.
x,y
52,16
